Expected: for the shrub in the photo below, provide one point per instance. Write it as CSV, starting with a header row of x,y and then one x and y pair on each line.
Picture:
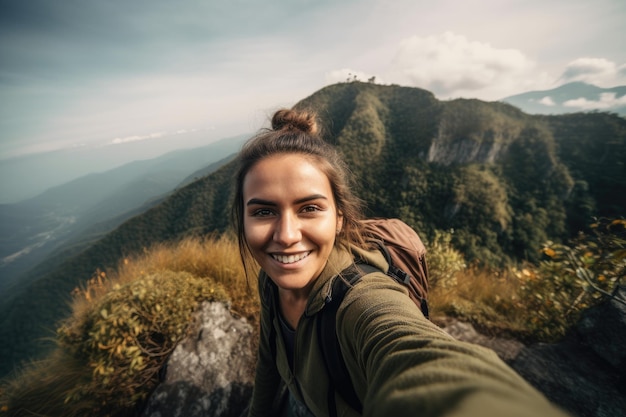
x,y
444,261
127,336
574,277
123,326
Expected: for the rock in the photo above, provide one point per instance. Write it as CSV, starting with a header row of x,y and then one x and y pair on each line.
x,y
507,349
211,371
570,375
584,373
603,328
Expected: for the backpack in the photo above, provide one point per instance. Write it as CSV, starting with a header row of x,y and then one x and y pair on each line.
x,y
405,253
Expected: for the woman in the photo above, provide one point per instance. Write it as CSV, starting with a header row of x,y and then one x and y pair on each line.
x,y
295,214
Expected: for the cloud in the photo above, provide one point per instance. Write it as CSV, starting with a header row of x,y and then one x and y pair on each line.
x,y
547,101
136,138
155,135
606,101
450,65
597,71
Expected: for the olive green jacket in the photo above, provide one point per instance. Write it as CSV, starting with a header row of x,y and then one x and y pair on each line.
x,y
400,363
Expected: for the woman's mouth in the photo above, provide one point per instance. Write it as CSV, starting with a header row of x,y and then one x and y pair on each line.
x,y
289,259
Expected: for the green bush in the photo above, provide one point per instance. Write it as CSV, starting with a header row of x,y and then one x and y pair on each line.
x,y
113,346
575,277
444,261
126,337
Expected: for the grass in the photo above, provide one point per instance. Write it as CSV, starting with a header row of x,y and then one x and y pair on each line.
x,y
215,257
488,299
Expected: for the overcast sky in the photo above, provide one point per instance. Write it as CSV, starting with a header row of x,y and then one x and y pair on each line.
x,y
89,72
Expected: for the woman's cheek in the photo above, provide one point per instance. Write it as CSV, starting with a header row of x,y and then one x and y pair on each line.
x,y
256,235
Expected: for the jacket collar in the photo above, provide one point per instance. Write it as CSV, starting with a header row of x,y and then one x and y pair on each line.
x,y
340,258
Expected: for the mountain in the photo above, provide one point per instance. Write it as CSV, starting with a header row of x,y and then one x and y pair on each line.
x,y
30,230
502,180
28,175
570,98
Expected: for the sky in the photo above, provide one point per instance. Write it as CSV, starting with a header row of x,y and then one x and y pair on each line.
x,y
89,73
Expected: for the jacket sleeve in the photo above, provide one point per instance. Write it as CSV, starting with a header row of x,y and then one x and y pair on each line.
x,y
267,378
404,365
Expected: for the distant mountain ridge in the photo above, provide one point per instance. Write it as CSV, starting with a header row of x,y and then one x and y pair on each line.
x,y
502,180
32,229
570,98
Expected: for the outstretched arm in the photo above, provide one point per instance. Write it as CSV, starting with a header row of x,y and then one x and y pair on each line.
x,y
404,365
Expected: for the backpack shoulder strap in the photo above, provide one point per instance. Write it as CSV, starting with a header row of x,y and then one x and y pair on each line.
x,y
268,294
327,334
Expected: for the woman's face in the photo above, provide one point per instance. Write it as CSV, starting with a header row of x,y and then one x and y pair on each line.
x,y
290,219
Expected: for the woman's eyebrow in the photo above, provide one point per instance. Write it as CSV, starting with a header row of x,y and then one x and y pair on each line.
x,y
310,198
261,202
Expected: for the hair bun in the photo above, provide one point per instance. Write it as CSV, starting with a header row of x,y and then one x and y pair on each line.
x,y
286,119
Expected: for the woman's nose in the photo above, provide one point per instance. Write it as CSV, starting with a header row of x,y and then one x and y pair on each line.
x,y
287,231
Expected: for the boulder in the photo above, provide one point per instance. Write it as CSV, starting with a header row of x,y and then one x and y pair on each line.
x,y
603,328
584,373
211,371
507,349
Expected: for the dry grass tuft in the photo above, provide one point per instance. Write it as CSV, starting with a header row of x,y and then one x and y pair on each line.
x,y
215,257
489,299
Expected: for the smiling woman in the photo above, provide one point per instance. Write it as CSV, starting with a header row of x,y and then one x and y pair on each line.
x,y
290,225
295,214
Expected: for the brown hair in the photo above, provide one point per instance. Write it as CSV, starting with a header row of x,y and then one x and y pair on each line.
x,y
297,131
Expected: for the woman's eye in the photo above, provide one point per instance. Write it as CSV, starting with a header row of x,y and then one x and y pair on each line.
x,y
310,209
262,212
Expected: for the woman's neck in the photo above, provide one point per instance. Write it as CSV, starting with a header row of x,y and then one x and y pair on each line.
x,y
293,303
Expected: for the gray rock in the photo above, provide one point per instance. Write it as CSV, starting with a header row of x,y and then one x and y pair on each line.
x,y
603,328
507,349
211,372
584,373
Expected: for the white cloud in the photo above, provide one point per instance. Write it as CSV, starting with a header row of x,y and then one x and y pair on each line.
x,y
450,65
597,71
155,135
607,101
547,101
136,138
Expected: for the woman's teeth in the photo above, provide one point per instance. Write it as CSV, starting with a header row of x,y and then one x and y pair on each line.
x,y
289,259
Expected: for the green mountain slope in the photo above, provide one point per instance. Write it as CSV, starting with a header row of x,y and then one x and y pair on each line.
x,y
33,229
504,181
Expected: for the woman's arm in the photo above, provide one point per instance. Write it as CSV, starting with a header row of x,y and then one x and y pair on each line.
x,y
404,365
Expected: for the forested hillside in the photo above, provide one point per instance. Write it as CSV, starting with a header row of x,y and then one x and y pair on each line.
x,y
504,181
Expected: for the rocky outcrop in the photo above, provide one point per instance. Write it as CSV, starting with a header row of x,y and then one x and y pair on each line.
x,y
507,349
466,150
584,374
210,373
